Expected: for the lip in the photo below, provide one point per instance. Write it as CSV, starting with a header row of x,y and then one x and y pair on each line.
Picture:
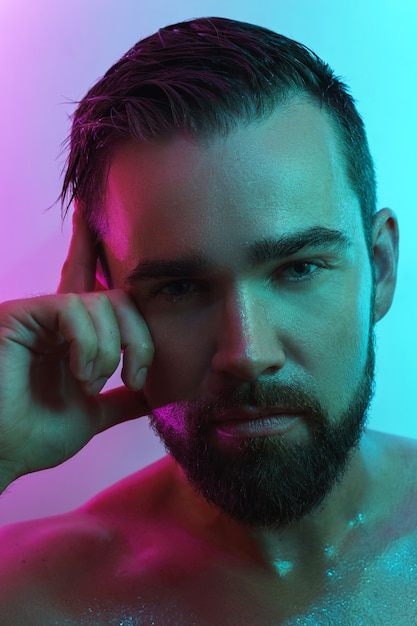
x,y
254,413
252,422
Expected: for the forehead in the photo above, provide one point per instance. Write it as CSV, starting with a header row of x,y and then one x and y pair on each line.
x,y
273,177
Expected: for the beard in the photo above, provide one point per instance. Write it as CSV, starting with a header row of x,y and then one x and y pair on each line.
x,y
266,482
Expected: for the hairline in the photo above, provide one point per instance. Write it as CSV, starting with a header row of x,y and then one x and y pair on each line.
x,y
289,96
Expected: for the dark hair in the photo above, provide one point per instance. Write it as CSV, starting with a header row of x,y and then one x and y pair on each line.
x,y
202,77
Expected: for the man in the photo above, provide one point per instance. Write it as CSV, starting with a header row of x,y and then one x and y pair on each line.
x,y
226,239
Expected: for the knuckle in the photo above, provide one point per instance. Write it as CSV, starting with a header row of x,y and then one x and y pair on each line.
x,y
109,359
72,301
146,351
138,354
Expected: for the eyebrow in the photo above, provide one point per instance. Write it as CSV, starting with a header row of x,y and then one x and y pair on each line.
x,y
271,249
260,252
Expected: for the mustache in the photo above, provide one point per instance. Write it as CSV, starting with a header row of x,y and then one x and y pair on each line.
x,y
258,395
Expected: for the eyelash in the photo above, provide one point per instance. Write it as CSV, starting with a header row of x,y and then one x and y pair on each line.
x,y
158,290
318,269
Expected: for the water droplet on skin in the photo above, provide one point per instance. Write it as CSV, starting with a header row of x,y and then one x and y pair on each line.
x,y
357,521
283,568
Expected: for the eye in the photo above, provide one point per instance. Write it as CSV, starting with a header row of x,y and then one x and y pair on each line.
x,y
300,270
176,290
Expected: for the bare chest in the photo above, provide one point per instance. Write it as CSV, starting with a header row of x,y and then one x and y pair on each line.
x,y
364,592
361,594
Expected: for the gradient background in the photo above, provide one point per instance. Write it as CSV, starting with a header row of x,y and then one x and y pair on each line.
x,y
52,52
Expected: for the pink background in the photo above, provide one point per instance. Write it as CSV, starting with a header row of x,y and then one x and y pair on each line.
x,y
51,52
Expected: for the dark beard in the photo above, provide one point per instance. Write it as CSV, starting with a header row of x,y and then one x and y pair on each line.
x,y
267,482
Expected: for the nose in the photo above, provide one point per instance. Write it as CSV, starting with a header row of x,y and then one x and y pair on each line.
x,y
248,345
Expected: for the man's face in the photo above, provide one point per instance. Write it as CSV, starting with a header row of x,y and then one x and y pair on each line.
x,y
247,259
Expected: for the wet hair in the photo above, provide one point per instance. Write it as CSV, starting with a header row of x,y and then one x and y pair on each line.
x,y
204,77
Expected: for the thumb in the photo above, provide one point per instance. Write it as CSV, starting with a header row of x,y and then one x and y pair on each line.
x,y
120,405
78,273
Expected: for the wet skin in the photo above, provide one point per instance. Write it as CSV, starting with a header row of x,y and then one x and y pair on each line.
x,y
301,318
148,552
246,257
235,321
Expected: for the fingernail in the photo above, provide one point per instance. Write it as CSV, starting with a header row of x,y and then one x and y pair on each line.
x,y
140,378
95,387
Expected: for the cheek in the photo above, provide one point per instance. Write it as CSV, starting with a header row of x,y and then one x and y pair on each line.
x,y
181,362
336,351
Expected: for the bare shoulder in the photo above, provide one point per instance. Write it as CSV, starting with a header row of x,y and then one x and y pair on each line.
x,y
388,550
396,442
399,452
137,495
394,461
38,558
52,550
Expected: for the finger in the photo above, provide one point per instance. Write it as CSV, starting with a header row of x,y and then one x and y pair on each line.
x,y
53,324
136,340
120,405
76,326
79,270
108,352
96,327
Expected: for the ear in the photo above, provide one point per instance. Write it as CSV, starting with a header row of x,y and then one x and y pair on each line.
x,y
385,260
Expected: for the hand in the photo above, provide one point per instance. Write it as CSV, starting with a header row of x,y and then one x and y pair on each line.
x,y
80,270
56,353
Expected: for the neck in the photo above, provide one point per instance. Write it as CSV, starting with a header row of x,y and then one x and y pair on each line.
x,y
319,536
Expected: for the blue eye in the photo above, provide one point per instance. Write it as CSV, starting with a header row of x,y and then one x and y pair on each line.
x,y
300,271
